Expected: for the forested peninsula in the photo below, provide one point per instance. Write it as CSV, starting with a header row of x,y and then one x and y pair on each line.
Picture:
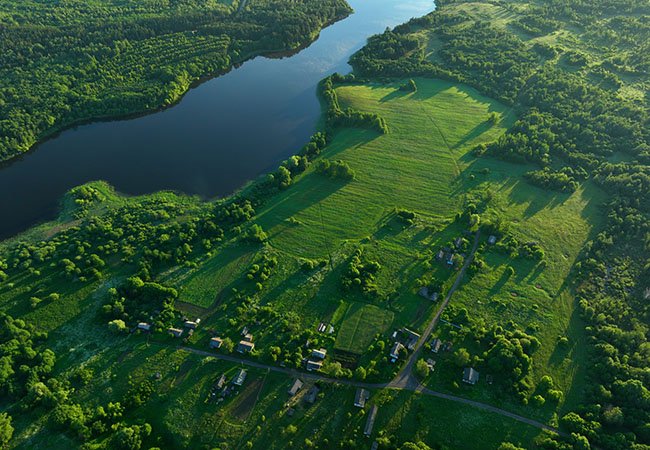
x,y
64,63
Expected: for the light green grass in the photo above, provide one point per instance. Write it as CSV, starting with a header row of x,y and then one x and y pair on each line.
x,y
205,286
360,325
415,166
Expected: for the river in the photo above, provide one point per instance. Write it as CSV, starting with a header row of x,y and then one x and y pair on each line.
x,y
223,133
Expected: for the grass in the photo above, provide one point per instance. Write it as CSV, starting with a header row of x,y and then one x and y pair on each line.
x,y
413,167
424,164
360,325
206,285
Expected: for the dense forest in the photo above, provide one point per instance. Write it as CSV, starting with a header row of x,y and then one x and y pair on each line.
x,y
584,114
63,63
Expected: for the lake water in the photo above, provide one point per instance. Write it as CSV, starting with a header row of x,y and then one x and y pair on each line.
x,y
222,134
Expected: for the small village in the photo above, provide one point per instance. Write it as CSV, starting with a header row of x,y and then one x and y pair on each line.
x,y
307,391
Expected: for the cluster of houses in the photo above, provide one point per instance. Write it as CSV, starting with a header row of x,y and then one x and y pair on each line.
x,y
470,375
315,361
437,346
189,325
446,254
222,389
360,398
246,344
404,339
297,386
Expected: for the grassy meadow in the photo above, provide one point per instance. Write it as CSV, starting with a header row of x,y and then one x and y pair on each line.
x,y
424,164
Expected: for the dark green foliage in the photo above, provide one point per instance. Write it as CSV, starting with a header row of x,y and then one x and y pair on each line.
x,y
262,270
140,301
255,234
25,365
564,180
66,62
409,86
408,217
361,274
6,430
335,169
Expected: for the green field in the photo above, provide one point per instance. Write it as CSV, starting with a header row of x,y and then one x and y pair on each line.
x,y
424,164
415,166
360,325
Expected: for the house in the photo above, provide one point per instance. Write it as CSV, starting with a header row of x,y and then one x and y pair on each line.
x,y
411,338
244,331
470,376
312,394
245,347
370,422
394,352
492,239
458,242
435,345
221,382
440,256
431,363
361,397
320,354
448,346
216,342
297,385
428,293
176,332
191,324
312,365
374,446
248,337
144,326
240,377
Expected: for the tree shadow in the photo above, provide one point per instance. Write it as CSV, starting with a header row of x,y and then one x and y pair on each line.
x,y
396,94
505,276
473,134
537,199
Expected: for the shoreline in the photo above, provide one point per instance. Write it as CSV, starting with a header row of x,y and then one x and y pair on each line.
x,y
266,53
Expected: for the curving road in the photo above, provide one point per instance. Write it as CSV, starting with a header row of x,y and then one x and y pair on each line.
x,y
405,379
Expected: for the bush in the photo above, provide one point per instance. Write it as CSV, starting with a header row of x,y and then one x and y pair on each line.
x,y
335,169
117,326
422,369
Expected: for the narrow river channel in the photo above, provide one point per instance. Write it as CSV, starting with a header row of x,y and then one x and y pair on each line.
x,y
222,134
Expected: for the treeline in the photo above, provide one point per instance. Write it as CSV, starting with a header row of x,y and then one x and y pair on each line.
x,y
564,180
338,117
61,63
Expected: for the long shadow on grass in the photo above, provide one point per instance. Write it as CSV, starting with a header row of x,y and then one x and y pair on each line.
x,y
571,351
473,134
505,276
226,256
537,199
397,93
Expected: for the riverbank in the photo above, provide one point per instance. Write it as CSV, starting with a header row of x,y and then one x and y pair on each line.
x,y
204,145
178,96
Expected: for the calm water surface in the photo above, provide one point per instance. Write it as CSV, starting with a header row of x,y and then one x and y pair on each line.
x,y
222,134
